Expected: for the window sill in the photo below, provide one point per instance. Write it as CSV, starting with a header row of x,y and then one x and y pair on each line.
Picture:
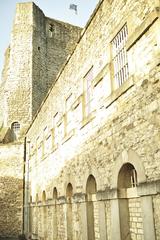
x,y
68,136
140,30
119,91
88,119
55,147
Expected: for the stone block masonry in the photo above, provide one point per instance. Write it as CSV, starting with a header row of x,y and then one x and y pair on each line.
x,y
92,150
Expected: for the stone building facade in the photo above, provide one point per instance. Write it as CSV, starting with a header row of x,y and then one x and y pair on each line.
x,y
92,169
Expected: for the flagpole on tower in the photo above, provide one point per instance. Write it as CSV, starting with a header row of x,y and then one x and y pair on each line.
x,y
73,7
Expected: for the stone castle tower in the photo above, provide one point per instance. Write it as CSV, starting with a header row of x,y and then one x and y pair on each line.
x,y
39,46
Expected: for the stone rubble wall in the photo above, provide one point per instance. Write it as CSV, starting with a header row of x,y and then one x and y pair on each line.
x,y
11,190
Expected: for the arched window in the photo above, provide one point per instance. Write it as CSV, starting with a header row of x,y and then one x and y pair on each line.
x,y
91,188
15,126
127,177
69,194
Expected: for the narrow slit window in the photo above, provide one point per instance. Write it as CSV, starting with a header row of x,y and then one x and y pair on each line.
x,y
51,30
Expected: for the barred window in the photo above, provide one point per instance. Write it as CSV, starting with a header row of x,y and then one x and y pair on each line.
x,y
51,29
119,54
16,129
88,91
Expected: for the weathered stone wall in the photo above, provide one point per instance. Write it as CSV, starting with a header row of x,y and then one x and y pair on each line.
x,y
124,124
30,67
11,190
52,42
110,119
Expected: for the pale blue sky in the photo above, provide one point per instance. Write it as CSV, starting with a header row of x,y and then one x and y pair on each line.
x,y
58,9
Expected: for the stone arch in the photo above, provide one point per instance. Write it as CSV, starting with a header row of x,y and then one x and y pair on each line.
x,y
43,196
69,190
69,179
37,198
44,215
91,189
69,194
94,172
91,185
55,225
127,173
127,176
37,216
132,158
55,193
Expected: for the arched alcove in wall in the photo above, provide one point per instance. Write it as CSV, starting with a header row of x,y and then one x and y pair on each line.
x,y
69,194
55,228
44,215
91,189
37,198
55,193
37,217
127,173
43,197
131,157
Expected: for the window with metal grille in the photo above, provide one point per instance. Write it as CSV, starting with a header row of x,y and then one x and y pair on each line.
x,y
88,91
51,29
119,54
15,128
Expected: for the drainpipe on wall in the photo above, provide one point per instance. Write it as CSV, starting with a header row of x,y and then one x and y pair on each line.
x,y
26,193
24,172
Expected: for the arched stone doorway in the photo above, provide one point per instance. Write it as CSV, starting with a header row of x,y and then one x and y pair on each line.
x,y
91,189
55,230
131,209
69,194
44,215
130,213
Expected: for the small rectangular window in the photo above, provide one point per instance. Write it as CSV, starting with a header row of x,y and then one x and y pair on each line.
x,y
119,54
